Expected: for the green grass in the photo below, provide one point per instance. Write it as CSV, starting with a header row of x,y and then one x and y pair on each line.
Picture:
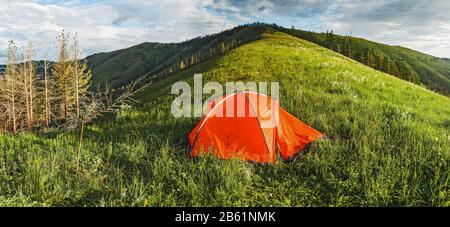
x,y
391,148
120,67
432,72
153,59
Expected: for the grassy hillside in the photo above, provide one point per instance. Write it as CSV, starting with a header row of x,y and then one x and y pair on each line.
x,y
128,64
391,148
155,59
402,62
161,60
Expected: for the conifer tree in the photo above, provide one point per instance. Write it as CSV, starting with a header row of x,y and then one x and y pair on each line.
x,y
81,75
61,72
349,46
181,66
369,58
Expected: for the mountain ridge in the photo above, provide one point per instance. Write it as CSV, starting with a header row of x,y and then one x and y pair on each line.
x,y
402,62
158,60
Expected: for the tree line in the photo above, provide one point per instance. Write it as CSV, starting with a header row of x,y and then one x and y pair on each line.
x,y
204,48
219,47
351,47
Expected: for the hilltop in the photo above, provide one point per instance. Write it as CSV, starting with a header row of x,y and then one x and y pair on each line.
x,y
391,147
405,63
160,60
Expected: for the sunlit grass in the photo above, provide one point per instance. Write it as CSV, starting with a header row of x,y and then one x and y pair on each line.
x,y
392,146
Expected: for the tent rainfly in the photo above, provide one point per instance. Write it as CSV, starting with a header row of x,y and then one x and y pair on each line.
x,y
250,126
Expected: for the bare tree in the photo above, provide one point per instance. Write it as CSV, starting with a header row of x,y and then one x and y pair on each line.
x,y
26,100
9,88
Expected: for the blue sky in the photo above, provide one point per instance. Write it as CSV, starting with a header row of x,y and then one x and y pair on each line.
x,y
105,25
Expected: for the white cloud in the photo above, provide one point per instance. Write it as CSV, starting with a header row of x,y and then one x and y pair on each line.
x,y
105,26
417,24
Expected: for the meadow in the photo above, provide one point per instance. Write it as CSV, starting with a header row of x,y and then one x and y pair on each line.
x,y
391,148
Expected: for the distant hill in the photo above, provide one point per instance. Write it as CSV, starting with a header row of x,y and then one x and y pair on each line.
x,y
39,65
156,59
159,60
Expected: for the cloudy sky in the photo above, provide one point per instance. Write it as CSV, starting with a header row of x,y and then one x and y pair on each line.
x,y
105,25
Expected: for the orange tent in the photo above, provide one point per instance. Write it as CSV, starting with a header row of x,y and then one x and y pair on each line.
x,y
250,126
